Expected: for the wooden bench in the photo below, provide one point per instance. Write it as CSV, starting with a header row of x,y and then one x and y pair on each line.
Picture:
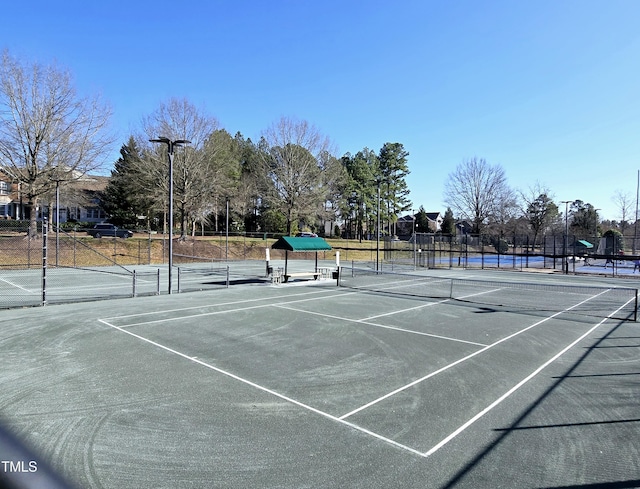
x,y
315,275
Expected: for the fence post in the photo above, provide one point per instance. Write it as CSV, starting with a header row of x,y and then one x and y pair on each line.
x,y
44,261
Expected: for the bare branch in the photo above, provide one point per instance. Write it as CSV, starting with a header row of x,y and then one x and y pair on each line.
x,y
48,133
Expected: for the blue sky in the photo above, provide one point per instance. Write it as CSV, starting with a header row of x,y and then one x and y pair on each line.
x,y
548,89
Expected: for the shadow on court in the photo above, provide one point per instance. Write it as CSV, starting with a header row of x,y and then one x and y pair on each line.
x,y
597,428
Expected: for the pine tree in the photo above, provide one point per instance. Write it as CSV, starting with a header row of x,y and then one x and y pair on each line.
x,y
122,199
393,170
448,222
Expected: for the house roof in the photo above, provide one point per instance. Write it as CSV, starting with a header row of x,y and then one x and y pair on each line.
x,y
431,216
290,243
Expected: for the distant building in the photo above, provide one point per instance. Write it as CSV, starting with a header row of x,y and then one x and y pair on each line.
x,y
79,200
463,227
10,207
405,224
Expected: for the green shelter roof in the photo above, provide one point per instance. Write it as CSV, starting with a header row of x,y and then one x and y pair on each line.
x,y
584,243
290,243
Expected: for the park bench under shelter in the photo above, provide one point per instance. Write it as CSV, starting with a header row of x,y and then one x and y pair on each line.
x,y
300,244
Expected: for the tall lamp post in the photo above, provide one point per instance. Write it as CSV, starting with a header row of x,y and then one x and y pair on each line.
x,y
565,261
378,231
595,231
415,241
170,146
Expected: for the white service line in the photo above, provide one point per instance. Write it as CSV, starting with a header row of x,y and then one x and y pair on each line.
x,y
214,313
265,389
463,359
443,301
342,419
364,321
495,403
231,303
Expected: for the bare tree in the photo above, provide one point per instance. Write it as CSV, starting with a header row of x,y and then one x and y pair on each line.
x,y
624,203
193,171
503,217
295,167
49,135
475,190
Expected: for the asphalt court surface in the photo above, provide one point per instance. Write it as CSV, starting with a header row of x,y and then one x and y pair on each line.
x,y
319,386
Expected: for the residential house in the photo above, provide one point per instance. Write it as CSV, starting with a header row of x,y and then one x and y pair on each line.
x,y
78,200
10,207
405,224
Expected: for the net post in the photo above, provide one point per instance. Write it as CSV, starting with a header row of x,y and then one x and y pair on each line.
x,y
179,279
133,289
158,281
227,284
635,309
451,289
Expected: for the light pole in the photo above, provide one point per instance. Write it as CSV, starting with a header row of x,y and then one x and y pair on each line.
x,y
378,231
415,241
170,146
565,262
57,214
595,231
226,241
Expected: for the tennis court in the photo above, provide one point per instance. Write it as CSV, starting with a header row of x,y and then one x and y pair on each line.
x,y
372,384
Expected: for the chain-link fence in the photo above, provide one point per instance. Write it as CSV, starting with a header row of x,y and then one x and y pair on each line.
x,y
613,255
56,266
68,265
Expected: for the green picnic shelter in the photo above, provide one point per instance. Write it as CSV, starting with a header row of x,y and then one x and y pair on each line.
x,y
300,244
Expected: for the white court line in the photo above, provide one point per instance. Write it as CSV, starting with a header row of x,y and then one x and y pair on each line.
x,y
394,328
383,287
495,403
226,311
265,389
342,419
463,359
429,304
17,286
231,303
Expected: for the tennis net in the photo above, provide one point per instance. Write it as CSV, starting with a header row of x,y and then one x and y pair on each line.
x,y
597,301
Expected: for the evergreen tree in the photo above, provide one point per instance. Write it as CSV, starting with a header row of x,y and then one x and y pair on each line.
x,y
123,199
393,170
448,222
584,220
540,213
359,190
247,200
421,221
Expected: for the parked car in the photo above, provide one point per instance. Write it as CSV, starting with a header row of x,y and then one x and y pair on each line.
x,y
109,230
306,235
